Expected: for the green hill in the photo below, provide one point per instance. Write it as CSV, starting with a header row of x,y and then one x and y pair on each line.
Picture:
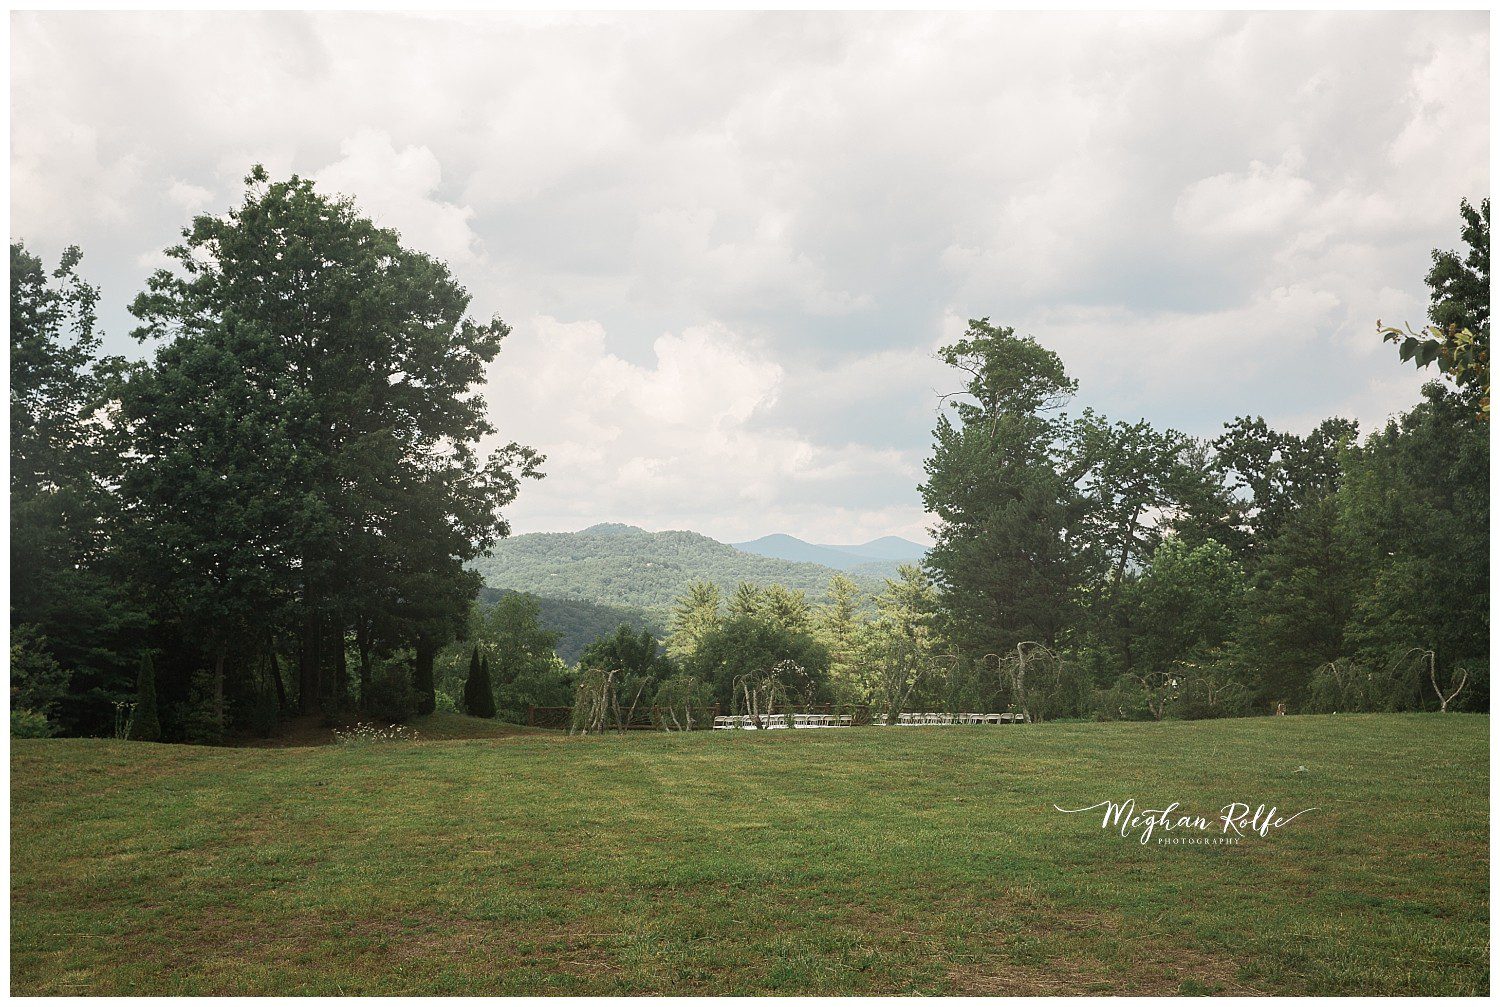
x,y
623,567
581,622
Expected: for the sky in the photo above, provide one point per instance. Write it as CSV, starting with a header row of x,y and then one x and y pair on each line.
x,y
729,245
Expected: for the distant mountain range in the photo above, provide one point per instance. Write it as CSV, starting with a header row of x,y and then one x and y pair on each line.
x,y
591,581
881,557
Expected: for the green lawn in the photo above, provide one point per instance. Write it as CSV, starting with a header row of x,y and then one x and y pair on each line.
x,y
846,861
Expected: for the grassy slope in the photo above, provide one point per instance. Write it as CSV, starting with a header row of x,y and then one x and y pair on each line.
x,y
813,862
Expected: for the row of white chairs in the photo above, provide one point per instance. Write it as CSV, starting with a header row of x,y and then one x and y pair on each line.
x,y
778,721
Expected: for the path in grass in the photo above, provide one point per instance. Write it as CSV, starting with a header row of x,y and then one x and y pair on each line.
x,y
868,860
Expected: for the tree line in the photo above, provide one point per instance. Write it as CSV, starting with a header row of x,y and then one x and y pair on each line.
x,y
276,513
1094,568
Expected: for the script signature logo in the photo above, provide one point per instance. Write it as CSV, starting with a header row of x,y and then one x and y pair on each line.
x,y
1234,821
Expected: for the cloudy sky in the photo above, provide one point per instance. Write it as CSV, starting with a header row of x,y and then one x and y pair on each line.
x,y
729,244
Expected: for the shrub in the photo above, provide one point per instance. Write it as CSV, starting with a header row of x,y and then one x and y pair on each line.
x,y
37,681
30,724
203,715
264,718
145,725
392,698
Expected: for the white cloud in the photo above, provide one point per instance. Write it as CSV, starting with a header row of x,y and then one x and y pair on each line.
x,y
676,438
1262,200
1204,214
396,188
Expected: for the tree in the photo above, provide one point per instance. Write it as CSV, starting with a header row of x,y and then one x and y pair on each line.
x,y
66,583
1295,617
746,601
1004,560
1275,473
38,683
900,652
479,694
1139,485
1186,602
698,613
1414,509
527,670
839,628
746,648
637,661
1458,340
786,608
305,436
144,724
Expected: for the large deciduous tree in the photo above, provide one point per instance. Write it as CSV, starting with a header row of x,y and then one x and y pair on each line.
x,y
306,437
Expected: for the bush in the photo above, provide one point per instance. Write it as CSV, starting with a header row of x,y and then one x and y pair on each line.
x,y
392,698
263,718
37,681
30,724
203,715
144,723
1125,700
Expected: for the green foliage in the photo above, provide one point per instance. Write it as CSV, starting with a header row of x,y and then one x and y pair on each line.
x,y
748,648
392,698
479,694
1458,340
579,623
305,435
37,682
145,724
698,612
66,584
683,704
203,721
1186,603
525,670
840,626
30,724
998,484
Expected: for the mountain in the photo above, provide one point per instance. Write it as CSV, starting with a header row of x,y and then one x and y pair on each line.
x,y
623,567
879,558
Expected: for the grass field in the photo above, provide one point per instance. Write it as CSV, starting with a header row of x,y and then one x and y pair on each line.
x,y
858,861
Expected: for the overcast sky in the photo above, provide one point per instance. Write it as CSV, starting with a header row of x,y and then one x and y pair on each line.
x,y
729,244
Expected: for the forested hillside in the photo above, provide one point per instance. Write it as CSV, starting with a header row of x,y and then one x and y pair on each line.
x,y
579,623
620,565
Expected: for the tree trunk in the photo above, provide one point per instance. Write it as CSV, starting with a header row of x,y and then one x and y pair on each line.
x,y
281,707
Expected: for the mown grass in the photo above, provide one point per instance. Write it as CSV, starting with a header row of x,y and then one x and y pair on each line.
x,y
858,861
